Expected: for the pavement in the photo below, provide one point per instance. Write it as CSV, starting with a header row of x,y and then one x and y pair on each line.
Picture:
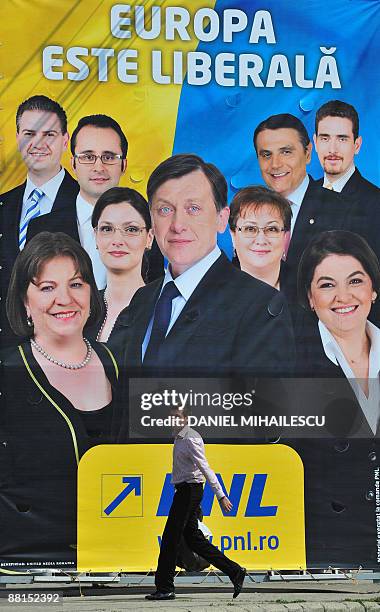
x,y
337,596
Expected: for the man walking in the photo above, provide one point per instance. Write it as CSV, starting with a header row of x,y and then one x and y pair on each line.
x,y
190,469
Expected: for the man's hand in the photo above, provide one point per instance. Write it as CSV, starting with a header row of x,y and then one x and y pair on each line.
x,y
225,504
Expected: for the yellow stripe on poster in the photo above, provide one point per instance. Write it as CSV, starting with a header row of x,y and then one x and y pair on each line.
x,y
88,33
124,496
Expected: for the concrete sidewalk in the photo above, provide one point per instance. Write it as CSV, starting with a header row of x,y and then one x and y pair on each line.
x,y
294,597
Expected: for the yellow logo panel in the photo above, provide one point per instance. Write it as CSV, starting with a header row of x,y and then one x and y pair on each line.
x,y
125,495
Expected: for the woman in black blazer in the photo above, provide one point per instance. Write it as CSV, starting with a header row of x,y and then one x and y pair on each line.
x,y
122,224
338,281
57,401
338,349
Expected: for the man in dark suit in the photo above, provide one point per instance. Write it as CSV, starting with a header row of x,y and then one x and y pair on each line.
x,y
205,316
99,159
284,149
42,138
337,141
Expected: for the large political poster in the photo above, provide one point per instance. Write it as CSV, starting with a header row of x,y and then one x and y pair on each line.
x,y
195,76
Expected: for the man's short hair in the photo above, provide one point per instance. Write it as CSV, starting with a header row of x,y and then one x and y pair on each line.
x,y
42,103
337,108
283,120
182,164
100,121
184,411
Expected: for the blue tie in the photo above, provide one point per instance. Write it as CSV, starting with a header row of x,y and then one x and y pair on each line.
x,y
33,210
162,314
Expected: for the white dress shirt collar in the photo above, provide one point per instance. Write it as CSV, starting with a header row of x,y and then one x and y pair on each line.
x,y
186,431
87,239
334,352
50,188
187,282
340,182
84,210
296,199
298,194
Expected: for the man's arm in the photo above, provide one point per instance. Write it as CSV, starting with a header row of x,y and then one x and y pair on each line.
x,y
197,452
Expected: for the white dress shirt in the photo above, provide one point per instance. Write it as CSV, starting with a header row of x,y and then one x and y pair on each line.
x,y
190,463
186,284
50,189
296,198
341,181
87,240
371,404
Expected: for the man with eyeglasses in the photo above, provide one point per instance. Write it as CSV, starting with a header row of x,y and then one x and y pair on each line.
x,y
99,158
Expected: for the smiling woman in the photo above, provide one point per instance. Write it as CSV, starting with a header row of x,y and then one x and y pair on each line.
x,y
260,227
57,399
338,281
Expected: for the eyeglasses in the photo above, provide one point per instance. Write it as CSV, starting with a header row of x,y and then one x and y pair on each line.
x,y
127,231
248,230
109,159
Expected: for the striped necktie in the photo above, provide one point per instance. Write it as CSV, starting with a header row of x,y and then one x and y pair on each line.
x,y
33,210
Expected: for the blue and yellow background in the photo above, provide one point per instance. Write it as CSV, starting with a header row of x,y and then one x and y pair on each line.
x,y
216,122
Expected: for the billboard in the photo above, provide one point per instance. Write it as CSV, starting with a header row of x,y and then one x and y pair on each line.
x,y
181,77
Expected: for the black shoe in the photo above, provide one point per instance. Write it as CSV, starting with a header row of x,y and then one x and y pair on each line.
x,y
238,581
158,596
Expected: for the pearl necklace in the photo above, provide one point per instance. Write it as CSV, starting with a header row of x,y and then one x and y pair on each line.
x,y
104,322
62,364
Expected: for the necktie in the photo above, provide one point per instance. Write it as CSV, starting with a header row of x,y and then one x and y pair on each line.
x,y
33,210
162,314
329,186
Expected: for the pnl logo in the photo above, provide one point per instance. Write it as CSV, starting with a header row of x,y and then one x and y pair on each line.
x,y
122,495
254,506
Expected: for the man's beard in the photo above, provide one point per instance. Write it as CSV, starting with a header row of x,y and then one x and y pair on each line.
x,y
331,170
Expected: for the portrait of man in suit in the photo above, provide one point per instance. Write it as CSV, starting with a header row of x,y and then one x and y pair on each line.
x,y
42,138
283,151
99,158
99,150
205,315
337,142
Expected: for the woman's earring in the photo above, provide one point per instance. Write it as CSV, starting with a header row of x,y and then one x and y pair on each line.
x,y
374,297
29,321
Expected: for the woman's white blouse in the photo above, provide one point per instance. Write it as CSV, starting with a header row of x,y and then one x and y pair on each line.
x,y
371,404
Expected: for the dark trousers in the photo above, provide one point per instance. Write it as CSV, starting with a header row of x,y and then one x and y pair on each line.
x,y
182,520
